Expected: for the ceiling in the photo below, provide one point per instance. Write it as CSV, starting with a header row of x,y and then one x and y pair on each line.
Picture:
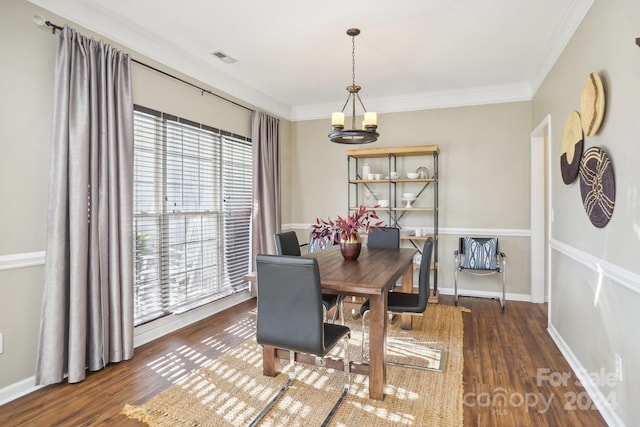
x,y
294,57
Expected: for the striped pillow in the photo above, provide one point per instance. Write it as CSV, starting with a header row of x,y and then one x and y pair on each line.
x,y
480,253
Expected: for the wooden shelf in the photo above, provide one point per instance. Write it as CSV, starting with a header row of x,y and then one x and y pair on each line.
x,y
398,209
414,208
422,238
413,150
387,181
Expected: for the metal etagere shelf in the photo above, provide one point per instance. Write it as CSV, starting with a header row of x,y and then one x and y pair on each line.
x,y
397,208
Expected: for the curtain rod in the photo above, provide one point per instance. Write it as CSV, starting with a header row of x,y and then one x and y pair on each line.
x,y
55,27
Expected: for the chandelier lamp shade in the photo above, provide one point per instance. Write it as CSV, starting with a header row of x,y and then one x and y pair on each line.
x,y
367,132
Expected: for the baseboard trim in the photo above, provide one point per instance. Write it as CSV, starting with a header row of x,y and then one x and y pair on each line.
x,y
485,294
588,381
142,335
18,389
154,330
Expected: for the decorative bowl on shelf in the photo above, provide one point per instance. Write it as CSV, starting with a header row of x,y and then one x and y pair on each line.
x,y
383,203
408,195
412,175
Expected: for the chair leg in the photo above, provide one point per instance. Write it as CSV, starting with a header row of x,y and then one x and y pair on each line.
x,y
339,308
274,399
347,382
362,356
503,301
455,286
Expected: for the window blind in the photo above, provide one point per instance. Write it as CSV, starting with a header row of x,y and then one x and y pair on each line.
x,y
192,214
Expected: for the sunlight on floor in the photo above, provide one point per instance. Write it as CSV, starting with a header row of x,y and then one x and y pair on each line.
x,y
172,365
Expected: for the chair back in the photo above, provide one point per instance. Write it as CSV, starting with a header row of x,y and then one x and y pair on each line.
x,y
318,243
384,237
287,243
424,276
289,304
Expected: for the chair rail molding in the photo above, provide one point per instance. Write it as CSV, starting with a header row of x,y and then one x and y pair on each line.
x,y
21,260
494,232
454,231
617,274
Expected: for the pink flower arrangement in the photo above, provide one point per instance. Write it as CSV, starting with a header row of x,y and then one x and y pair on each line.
x,y
346,228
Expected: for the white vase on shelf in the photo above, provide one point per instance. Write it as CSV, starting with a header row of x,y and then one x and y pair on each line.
x,y
366,170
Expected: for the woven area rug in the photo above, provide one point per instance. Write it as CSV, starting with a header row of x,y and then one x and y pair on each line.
x,y
231,391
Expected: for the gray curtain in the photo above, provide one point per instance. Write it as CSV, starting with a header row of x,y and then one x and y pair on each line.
x,y
265,135
87,307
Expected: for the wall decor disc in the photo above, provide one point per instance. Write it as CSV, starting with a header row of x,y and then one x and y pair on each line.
x,y
592,104
597,186
571,149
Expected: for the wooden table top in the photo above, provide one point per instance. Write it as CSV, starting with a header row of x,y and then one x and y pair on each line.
x,y
374,272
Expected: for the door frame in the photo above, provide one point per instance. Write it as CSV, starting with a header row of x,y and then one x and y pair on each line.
x,y
541,214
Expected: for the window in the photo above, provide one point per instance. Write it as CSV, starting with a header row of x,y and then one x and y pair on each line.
x,y
192,214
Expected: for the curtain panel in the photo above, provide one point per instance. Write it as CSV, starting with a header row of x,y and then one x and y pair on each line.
x,y
87,308
265,134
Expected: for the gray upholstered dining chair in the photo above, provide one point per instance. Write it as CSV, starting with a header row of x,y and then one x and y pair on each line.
x,y
384,237
320,243
290,317
404,302
287,244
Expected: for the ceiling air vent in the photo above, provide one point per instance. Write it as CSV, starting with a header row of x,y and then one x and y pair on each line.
x,y
224,57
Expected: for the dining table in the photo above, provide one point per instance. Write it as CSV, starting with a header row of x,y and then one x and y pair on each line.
x,y
372,275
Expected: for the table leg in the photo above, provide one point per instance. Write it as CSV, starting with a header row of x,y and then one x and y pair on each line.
x,y
407,286
377,345
270,362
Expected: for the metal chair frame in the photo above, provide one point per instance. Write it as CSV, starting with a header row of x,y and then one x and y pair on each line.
x,y
416,308
277,271
501,268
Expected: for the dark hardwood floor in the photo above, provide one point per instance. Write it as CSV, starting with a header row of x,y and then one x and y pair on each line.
x,y
509,359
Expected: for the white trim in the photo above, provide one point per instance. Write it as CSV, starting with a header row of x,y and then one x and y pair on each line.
x,y
18,389
485,294
498,232
26,259
617,274
560,39
602,403
142,335
496,94
540,140
156,329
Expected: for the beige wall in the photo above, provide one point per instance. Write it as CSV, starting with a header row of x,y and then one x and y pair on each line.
x,y
595,287
592,314
26,86
484,178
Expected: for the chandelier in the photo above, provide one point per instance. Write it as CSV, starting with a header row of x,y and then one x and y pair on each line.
x,y
367,133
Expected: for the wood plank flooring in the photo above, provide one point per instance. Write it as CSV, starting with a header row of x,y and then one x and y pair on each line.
x,y
504,353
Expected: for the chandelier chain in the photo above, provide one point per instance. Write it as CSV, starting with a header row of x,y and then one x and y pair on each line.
x,y
353,59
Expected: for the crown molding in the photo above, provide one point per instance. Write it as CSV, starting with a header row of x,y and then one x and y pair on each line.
x,y
426,101
104,22
575,14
